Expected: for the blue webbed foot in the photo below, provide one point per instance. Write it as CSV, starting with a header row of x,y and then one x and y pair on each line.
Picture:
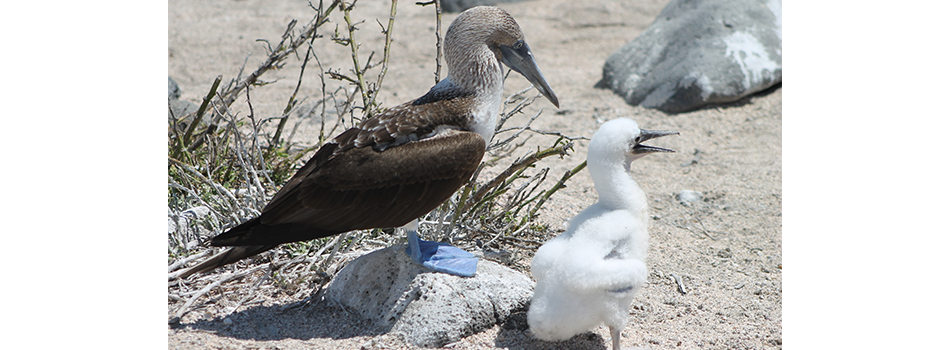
x,y
441,257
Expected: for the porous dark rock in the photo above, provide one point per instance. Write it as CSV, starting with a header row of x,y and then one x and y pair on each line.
x,y
700,52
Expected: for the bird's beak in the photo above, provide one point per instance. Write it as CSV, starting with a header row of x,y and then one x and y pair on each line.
x,y
520,59
640,149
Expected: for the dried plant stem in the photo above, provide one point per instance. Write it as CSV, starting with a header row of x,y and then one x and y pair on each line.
x,y
273,61
504,142
336,247
502,232
181,262
292,101
200,113
389,41
438,41
249,295
184,308
204,179
520,165
559,185
334,242
354,53
438,36
250,173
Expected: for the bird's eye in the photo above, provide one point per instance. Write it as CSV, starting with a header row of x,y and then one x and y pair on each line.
x,y
518,45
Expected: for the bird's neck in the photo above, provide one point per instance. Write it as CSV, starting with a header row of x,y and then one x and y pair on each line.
x,y
615,188
481,75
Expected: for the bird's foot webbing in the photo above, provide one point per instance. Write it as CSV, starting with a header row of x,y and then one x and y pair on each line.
x,y
441,257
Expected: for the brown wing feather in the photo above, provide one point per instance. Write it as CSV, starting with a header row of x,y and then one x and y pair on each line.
x,y
396,124
226,257
363,188
315,162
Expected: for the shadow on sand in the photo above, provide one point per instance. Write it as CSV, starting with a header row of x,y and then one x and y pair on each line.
x,y
293,321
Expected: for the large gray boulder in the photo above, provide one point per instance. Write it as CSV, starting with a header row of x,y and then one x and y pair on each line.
x,y
700,52
430,309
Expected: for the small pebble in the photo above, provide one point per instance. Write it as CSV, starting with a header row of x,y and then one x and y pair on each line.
x,y
687,197
724,253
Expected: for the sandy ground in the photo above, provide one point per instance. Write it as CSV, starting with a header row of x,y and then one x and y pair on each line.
x,y
727,249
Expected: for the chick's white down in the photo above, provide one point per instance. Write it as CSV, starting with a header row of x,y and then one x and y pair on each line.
x,y
589,274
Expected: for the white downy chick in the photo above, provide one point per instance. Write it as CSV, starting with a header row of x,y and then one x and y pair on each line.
x,y
589,274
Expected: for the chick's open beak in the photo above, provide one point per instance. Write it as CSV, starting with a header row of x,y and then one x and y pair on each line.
x,y
640,148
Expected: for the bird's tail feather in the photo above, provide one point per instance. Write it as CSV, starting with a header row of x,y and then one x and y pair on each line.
x,y
226,257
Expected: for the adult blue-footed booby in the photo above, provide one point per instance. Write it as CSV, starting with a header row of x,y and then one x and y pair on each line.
x,y
590,273
400,164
